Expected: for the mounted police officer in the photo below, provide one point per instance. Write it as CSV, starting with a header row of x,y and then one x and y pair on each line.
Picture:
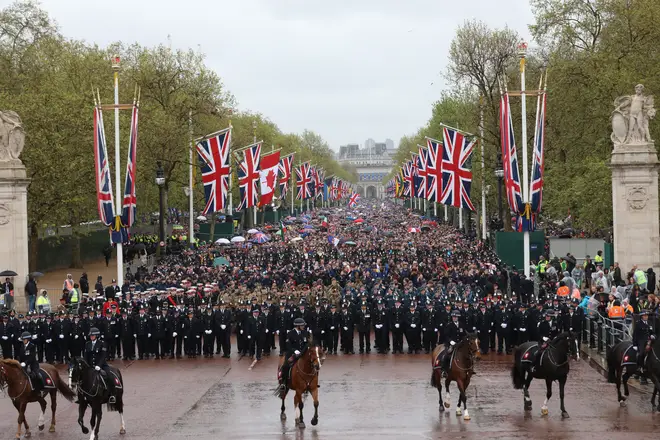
x,y
95,355
28,359
643,333
296,344
548,330
454,332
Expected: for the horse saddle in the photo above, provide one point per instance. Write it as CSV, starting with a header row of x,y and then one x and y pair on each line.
x,y
629,357
437,362
46,379
113,376
529,354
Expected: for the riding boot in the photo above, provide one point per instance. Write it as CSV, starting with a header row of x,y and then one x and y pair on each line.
x,y
111,390
445,364
284,375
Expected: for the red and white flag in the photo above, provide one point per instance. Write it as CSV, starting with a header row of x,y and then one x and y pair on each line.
x,y
268,177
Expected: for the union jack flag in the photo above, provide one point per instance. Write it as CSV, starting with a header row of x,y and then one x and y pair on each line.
x,y
434,170
102,172
510,157
456,178
538,161
414,173
334,189
284,168
303,181
129,206
422,160
353,201
248,176
312,182
215,163
407,179
318,181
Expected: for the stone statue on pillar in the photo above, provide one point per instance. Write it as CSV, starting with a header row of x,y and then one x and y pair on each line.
x,y
634,165
13,204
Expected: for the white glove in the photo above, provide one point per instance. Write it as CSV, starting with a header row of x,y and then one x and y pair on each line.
x,y
504,325
5,338
332,328
197,336
652,337
635,348
49,340
523,329
61,336
34,336
75,337
435,329
134,335
545,339
97,368
148,335
223,326
174,334
396,325
266,330
413,325
423,329
185,337
249,337
23,364
345,328
474,328
277,332
116,336
322,332
570,329
296,352
241,331
452,343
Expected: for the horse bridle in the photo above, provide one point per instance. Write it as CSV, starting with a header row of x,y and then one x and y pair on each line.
x,y
79,385
5,385
315,371
471,358
569,339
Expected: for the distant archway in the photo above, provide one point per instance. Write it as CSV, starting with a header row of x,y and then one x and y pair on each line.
x,y
360,190
371,192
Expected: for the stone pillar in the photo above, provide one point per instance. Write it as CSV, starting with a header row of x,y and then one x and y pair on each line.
x,y
635,205
634,165
13,205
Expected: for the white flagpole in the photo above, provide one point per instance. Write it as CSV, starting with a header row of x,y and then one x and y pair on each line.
x,y
120,248
522,51
483,169
446,215
191,225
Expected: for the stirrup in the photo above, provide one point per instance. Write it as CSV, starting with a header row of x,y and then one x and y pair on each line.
x,y
112,400
282,387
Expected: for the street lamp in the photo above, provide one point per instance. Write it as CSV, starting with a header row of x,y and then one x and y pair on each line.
x,y
499,173
160,181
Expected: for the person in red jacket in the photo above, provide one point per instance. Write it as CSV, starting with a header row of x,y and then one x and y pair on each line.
x,y
107,306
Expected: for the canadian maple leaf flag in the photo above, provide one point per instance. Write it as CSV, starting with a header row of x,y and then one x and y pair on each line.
x,y
268,176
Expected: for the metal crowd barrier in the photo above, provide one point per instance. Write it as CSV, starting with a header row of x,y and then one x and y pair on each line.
x,y
603,333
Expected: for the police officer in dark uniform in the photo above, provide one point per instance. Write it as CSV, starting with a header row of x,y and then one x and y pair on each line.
x,y
296,344
454,332
6,337
95,356
548,330
28,359
347,330
643,333
429,327
333,321
484,324
397,321
381,328
127,340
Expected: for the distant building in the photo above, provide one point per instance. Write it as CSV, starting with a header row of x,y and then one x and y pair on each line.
x,y
373,163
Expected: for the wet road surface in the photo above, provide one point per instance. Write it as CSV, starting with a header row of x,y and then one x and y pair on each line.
x,y
361,397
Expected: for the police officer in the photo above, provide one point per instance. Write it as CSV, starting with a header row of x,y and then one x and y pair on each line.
x,y
332,332
429,328
95,356
643,332
347,330
296,344
28,359
381,328
397,320
454,332
548,330
222,319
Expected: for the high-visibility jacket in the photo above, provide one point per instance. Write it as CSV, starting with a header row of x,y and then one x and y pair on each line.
x,y
542,266
42,301
640,276
74,296
598,260
563,291
68,284
616,312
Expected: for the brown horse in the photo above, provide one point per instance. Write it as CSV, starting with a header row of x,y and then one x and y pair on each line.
x,y
19,390
304,379
460,371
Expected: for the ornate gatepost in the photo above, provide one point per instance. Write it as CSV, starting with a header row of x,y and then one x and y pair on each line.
x,y
13,205
634,165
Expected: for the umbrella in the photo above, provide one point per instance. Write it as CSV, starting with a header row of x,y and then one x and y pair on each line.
x,y
260,238
8,273
220,261
308,227
201,218
296,239
222,241
388,234
358,221
177,227
36,274
413,230
253,231
238,239
350,243
368,228
426,228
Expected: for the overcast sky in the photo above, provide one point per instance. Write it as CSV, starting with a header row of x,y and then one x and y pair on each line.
x,y
347,69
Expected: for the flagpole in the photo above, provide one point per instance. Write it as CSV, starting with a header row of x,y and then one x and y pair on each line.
x,y
483,169
522,50
191,232
446,216
230,207
120,247
292,186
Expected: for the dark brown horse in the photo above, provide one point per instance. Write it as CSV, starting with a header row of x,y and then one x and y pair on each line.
x,y
19,390
304,379
460,371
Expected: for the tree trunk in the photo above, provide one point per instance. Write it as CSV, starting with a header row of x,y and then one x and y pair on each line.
x,y
76,261
33,260
212,228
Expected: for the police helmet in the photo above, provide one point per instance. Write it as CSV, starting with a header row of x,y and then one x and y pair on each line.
x,y
26,335
298,322
456,313
94,331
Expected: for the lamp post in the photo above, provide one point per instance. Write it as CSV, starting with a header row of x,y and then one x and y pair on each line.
x,y
499,173
160,181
